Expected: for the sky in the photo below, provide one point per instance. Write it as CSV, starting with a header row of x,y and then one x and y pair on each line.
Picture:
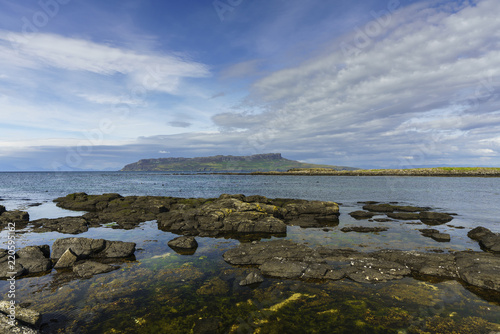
x,y
95,85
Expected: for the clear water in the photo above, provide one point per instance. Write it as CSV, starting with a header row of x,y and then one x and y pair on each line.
x,y
159,291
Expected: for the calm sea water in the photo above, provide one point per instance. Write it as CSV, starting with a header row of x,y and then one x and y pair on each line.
x,y
133,299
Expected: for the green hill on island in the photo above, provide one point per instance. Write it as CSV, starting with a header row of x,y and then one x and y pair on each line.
x,y
224,163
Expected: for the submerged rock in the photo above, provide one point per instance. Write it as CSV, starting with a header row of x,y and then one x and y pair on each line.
x,y
88,269
253,278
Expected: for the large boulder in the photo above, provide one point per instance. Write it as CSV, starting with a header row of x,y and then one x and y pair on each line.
x,y
488,240
479,269
85,248
34,259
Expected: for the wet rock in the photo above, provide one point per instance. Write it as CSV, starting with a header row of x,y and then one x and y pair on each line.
x,y
2,209
252,278
116,249
403,215
442,265
361,214
81,247
375,270
7,270
17,219
261,252
479,269
68,259
379,207
283,268
68,225
409,208
88,269
207,326
434,218
34,259
488,240
28,316
435,234
183,243
363,229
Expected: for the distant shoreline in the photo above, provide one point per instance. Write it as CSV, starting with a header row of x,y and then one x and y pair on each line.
x,y
437,172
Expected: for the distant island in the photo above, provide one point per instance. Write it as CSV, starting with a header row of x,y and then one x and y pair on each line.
x,y
435,171
225,163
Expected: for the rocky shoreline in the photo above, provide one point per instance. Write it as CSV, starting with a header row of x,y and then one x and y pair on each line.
x,y
248,219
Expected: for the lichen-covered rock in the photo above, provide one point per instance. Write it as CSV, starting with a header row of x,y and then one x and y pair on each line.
x,y
253,278
81,247
479,269
34,259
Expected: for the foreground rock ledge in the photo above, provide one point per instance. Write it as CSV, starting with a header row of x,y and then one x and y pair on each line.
x,y
287,259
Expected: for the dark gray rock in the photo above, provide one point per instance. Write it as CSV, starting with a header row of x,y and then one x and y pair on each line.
x,y
434,218
363,229
253,278
479,269
2,209
115,249
34,259
488,240
82,247
260,252
361,214
88,269
283,268
68,225
375,270
403,215
441,237
379,207
183,242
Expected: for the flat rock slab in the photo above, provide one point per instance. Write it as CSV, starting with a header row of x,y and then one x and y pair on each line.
x,y
287,259
88,269
85,248
488,240
363,229
361,214
7,328
68,225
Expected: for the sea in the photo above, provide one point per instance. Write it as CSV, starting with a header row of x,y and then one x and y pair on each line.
x,y
161,291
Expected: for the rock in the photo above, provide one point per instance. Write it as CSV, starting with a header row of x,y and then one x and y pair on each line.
x,y
34,259
488,240
363,229
479,269
183,242
8,328
379,207
403,215
435,234
440,265
441,237
361,214
2,209
68,225
6,268
214,286
434,218
283,268
26,315
375,270
409,208
15,216
261,252
115,249
252,278
89,268
68,259
81,247
207,325
478,233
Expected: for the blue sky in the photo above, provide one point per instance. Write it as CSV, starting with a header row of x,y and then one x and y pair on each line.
x,y
392,83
